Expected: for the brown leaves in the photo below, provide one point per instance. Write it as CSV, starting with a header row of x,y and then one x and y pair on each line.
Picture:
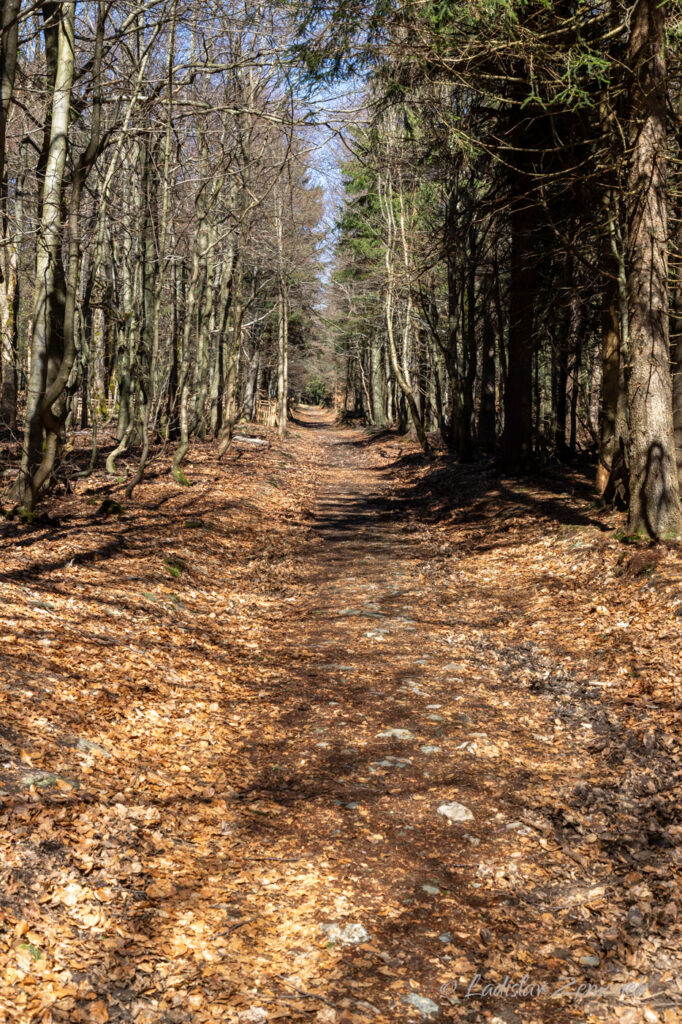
x,y
245,801
98,1012
161,889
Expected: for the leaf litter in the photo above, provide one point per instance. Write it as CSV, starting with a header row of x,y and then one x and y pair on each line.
x,y
211,778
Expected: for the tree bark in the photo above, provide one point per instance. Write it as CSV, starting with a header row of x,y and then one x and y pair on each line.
x,y
518,411
654,489
47,257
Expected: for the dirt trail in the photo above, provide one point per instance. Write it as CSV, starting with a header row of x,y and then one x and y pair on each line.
x,y
241,719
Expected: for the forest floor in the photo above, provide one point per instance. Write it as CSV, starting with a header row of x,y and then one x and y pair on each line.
x,y
338,734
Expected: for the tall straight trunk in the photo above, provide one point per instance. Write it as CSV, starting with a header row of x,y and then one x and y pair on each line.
x,y
468,379
282,322
8,272
517,440
575,395
610,380
9,295
231,305
486,412
282,358
399,363
184,375
654,489
251,387
206,320
159,257
235,308
676,341
47,256
391,412
377,380
676,359
9,21
452,355
53,405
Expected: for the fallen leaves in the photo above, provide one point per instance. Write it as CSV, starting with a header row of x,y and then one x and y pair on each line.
x,y
219,764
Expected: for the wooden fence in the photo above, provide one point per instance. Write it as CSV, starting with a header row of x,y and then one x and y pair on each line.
x,y
265,412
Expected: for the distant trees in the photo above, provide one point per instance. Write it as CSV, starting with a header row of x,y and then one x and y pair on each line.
x,y
157,218
508,254
529,151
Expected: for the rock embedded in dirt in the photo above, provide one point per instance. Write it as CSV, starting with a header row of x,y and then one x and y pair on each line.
x,y
426,1007
432,890
396,734
350,934
429,748
393,762
254,1015
455,812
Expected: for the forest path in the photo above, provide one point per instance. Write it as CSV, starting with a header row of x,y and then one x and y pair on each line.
x,y
284,744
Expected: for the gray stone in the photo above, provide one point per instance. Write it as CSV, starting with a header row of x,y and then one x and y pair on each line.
x,y
396,734
90,747
426,1007
455,812
590,961
413,688
393,762
254,1015
430,749
445,938
432,890
350,934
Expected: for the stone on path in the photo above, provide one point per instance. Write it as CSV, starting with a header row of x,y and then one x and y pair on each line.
x,y
455,812
426,1007
254,1015
429,748
350,934
396,734
393,762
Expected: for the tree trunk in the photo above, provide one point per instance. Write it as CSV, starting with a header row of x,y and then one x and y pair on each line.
x,y
610,382
654,491
376,380
676,345
47,257
486,412
518,412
